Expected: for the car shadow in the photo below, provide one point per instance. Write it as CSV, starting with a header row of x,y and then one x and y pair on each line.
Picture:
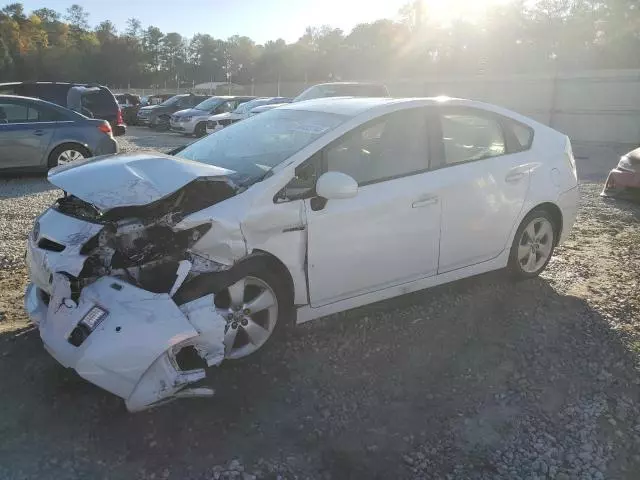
x,y
346,395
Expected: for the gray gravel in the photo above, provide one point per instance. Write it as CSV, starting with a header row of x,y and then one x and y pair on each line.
x,y
481,379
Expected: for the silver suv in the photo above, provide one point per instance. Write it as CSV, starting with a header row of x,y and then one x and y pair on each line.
x,y
193,121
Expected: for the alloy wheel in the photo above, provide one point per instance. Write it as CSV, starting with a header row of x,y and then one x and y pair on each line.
x,y
535,246
69,156
250,307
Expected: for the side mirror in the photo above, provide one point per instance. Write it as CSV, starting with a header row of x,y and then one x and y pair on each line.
x,y
336,185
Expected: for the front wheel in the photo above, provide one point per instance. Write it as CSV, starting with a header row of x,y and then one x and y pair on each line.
x,y
533,244
256,307
200,130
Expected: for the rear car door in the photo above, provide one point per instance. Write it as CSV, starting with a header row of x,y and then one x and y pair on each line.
x,y
485,186
26,130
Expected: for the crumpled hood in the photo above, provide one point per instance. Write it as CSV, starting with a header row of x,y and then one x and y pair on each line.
x,y
129,180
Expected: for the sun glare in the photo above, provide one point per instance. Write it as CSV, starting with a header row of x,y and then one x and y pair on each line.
x,y
446,11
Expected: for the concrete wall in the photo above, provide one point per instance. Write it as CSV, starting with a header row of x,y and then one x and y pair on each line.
x,y
593,106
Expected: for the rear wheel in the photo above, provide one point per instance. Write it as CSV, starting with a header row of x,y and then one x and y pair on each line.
x,y
67,153
533,244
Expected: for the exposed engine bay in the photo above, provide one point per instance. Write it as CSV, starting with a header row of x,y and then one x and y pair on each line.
x,y
140,244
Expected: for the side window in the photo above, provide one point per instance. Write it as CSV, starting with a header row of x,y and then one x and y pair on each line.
x,y
523,136
224,107
41,113
389,147
13,113
469,136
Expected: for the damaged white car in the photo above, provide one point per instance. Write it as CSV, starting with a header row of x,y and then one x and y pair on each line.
x,y
152,267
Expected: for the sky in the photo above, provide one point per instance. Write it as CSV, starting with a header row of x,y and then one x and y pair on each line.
x,y
260,20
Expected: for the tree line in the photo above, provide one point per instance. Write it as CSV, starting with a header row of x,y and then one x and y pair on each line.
x,y
516,37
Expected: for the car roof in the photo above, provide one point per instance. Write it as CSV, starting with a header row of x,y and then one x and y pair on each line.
x,y
368,84
54,83
353,106
39,101
235,97
30,99
350,106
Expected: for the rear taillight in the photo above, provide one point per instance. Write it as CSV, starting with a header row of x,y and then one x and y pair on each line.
x,y
119,119
105,128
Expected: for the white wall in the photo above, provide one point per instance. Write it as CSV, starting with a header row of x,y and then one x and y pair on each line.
x,y
592,106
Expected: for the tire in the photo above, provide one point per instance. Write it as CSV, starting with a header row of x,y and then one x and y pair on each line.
x,y
533,245
163,124
200,130
66,149
248,339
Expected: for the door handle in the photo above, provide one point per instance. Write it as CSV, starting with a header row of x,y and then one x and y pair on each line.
x,y
514,177
39,133
425,201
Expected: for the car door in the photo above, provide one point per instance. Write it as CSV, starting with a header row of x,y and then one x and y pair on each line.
x,y
388,233
483,185
24,138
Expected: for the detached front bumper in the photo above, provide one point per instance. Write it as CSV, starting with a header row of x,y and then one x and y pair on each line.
x,y
132,352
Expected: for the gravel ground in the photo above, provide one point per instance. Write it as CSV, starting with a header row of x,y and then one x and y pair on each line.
x,y
481,379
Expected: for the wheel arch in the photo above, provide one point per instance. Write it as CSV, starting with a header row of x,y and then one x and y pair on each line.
x,y
60,143
272,262
556,216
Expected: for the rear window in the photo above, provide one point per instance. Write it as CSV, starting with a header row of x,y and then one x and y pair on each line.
x,y
100,102
523,135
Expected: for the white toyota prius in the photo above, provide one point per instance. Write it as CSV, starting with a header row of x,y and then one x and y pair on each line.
x,y
153,267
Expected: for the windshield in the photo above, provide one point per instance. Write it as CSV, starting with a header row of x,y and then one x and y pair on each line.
x,y
253,147
341,90
172,101
209,104
310,94
247,106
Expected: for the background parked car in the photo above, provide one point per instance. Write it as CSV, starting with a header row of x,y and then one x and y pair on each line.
x,y
38,135
156,99
216,122
129,105
624,179
157,116
193,121
101,104
334,89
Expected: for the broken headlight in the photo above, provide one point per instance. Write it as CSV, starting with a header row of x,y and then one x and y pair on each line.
x,y
93,318
88,324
